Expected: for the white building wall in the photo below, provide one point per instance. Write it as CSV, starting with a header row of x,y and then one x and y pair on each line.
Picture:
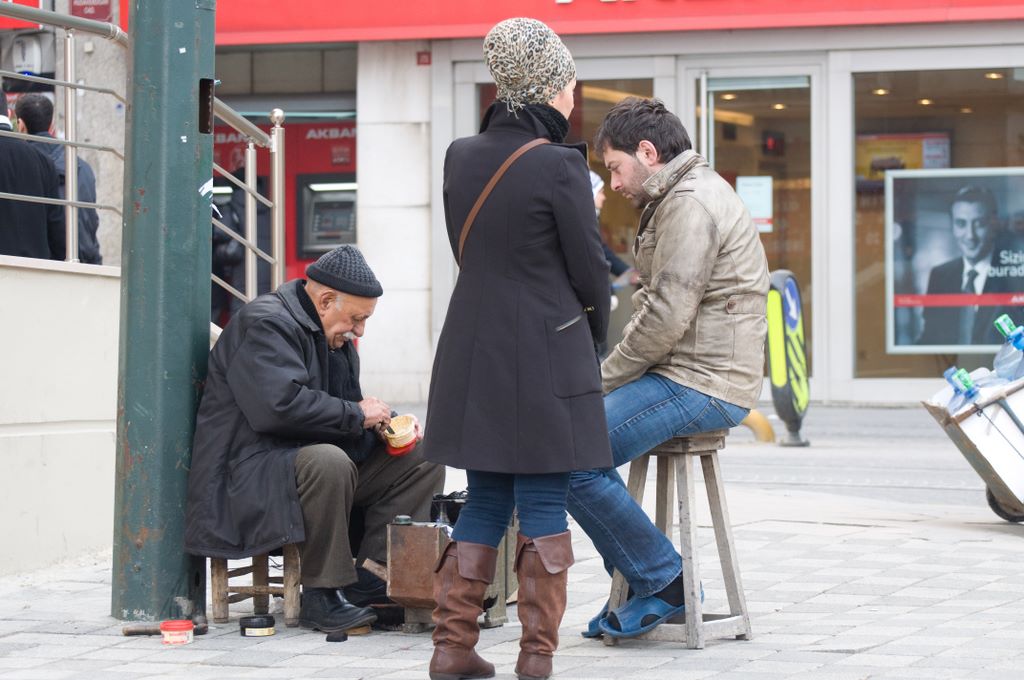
x,y
58,362
393,216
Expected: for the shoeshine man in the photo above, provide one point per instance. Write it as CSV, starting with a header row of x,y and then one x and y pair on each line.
x,y
691,356
286,444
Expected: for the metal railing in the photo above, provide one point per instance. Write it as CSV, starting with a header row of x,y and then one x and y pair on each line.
x,y
274,141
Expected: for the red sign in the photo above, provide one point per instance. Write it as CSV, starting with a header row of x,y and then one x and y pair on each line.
x,y
255,22
322,149
958,300
13,23
97,10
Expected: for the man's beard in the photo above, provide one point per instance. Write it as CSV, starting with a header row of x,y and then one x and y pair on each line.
x,y
637,196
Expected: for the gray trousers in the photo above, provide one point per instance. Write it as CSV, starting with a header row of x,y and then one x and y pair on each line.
x,y
329,484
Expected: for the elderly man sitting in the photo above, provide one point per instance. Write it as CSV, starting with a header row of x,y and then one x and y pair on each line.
x,y
286,444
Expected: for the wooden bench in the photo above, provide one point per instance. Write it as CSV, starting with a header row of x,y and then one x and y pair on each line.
x,y
675,461
263,585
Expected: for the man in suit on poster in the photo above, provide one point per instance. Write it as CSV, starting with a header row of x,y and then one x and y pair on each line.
x,y
985,265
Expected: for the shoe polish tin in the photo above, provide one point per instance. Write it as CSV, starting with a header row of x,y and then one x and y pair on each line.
x,y
256,626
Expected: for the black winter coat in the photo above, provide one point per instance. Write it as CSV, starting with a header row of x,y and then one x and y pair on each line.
x,y
516,386
29,229
266,395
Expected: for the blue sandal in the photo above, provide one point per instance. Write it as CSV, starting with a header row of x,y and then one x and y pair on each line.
x,y
646,613
638,616
594,626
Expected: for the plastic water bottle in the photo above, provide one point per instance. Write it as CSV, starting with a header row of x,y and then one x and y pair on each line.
x,y
964,389
1008,364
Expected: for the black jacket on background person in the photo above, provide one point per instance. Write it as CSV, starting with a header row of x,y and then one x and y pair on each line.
x,y
266,395
88,220
29,229
516,386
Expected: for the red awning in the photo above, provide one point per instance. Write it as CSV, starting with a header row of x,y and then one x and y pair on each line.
x,y
254,22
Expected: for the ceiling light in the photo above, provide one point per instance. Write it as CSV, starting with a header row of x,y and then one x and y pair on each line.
x,y
881,91
778,107
994,75
966,109
924,102
728,96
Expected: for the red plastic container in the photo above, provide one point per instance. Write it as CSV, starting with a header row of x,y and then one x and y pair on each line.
x,y
177,632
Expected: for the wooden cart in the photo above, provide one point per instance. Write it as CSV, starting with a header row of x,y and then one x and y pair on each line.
x,y
990,436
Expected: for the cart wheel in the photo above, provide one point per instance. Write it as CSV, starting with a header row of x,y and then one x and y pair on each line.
x,y
1008,515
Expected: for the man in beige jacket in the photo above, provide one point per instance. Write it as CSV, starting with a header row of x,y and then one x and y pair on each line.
x,y
692,355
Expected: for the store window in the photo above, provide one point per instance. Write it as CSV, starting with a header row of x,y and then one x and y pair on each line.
x,y
939,217
618,218
760,142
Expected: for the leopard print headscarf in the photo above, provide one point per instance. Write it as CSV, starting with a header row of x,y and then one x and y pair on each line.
x,y
528,61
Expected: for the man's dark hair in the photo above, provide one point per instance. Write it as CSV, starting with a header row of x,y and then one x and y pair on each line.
x,y
635,119
973,193
36,111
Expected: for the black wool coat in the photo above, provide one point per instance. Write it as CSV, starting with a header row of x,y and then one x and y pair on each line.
x,y
29,229
267,393
516,385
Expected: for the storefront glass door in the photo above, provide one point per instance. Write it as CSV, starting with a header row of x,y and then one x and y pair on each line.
x,y
756,133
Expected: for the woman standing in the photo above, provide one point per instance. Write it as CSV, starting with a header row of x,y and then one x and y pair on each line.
x,y
515,396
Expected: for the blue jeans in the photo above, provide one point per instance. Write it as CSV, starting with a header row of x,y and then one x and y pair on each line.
x,y
641,415
493,496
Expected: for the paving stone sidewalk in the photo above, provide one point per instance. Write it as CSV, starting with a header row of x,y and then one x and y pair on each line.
x,y
838,587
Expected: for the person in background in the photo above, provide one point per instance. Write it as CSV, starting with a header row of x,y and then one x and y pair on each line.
x,y
29,229
35,116
515,394
616,264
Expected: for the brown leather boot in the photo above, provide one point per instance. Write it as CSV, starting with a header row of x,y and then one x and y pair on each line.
x,y
460,579
542,565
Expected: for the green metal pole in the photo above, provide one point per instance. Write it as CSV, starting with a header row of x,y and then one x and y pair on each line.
x,y
165,306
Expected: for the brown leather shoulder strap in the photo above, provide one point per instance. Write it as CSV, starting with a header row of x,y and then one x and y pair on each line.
x,y
467,225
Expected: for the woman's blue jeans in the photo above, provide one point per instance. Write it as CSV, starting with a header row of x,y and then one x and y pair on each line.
x,y
641,415
493,496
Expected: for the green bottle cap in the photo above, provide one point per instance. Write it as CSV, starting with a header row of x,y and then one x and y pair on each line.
x,y
1005,325
963,378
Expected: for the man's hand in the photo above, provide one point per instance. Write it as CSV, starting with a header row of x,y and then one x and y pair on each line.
x,y
376,414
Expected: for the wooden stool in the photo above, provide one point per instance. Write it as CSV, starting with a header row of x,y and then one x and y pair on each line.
x,y
224,592
698,626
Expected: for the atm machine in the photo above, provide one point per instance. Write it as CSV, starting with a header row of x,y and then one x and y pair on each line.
x,y
320,185
326,213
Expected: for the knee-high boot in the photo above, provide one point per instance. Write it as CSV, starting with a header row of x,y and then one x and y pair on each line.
x,y
460,579
542,565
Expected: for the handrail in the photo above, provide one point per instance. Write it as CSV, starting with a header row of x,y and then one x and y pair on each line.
x,y
60,142
241,185
53,81
57,201
249,245
232,118
274,141
65,21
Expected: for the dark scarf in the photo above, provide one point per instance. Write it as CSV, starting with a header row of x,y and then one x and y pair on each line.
x,y
553,121
343,382
308,307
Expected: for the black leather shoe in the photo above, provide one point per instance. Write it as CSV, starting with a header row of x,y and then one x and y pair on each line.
x,y
327,609
368,590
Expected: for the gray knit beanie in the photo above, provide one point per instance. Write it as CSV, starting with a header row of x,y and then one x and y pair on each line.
x,y
529,63
345,270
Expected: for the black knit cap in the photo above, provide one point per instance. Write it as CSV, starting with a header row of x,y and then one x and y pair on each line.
x,y
344,269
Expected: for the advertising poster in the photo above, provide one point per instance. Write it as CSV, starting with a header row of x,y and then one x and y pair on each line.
x,y
756,193
954,258
875,154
